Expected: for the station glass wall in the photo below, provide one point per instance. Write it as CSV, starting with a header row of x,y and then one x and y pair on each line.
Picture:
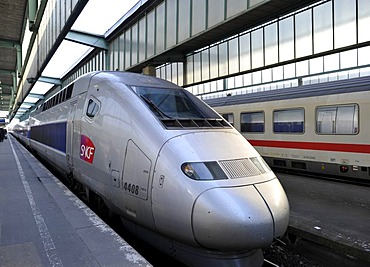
x,y
313,44
170,23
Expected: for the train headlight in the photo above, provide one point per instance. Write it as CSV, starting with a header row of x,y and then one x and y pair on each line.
x,y
203,170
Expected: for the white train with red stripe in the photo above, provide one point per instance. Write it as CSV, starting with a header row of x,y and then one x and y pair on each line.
x,y
320,128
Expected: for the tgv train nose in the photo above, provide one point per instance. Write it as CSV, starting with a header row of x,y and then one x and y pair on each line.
x,y
239,218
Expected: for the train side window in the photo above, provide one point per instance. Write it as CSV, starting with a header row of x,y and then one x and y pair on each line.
x,y
229,117
289,121
252,122
92,108
341,119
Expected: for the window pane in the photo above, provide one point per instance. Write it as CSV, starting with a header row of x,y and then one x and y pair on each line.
x,y
235,6
289,71
363,55
252,122
205,64
197,68
198,18
213,58
233,55
289,121
331,62
278,73
347,120
286,39
271,44
121,52
316,65
363,20
190,69
348,59
160,28
245,50
180,74
171,23
345,22
92,109
150,34
215,12
337,119
134,46
303,32
184,20
257,48
254,2
229,117
266,75
323,29
223,62
128,48
142,37
302,68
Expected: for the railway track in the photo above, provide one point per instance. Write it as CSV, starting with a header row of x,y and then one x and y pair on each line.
x,y
333,178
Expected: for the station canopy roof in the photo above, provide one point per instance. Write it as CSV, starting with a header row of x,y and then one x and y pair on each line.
x,y
15,36
14,31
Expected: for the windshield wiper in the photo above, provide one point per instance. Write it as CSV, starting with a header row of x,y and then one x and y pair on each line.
x,y
157,109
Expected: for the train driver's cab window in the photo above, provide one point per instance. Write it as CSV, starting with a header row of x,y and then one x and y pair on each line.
x,y
252,122
341,119
289,121
229,117
92,108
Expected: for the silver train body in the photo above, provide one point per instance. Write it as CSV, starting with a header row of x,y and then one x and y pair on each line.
x,y
320,128
182,178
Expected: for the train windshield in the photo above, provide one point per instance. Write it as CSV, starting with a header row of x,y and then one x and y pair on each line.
x,y
175,104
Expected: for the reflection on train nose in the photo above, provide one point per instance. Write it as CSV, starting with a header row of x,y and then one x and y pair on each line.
x,y
234,218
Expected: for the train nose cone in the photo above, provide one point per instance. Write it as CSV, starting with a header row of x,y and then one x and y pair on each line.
x,y
234,218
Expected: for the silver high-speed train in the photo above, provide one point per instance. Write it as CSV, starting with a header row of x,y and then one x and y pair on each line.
x,y
181,177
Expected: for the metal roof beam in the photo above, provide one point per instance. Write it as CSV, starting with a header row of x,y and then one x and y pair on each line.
x,y
8,44
93,40
5,86
39,96
51,80
6,72
29,104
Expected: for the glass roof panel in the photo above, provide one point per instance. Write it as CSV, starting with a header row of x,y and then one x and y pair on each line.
x,y
30,99
41,88
98,15
61,63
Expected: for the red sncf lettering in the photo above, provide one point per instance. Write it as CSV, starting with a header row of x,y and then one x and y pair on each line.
x,y
87,149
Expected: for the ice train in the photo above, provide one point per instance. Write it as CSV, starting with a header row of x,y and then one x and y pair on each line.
x,y
181,177
320,128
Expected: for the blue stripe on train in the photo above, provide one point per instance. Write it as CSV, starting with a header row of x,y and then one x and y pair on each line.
x,y
52,134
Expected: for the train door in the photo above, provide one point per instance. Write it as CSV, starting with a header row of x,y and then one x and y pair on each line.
x,y
135,184
70,131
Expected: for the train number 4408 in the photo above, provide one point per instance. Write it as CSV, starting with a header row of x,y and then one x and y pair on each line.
x,y
131,188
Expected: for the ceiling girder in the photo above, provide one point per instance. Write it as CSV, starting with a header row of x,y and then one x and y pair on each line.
x,y
93,40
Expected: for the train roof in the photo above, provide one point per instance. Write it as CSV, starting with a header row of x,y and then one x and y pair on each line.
x,y
303,91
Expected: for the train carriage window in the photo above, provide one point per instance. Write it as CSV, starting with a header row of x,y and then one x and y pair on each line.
x,y
341,119
229,117
252,122
289,121
92,108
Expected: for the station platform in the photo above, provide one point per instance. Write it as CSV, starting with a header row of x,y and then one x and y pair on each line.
x,y
329,213
42,223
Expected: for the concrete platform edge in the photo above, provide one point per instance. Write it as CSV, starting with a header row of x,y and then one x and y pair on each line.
x,y
335,245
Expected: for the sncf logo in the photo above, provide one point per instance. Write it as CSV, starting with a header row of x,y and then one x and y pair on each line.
x,y
87,149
